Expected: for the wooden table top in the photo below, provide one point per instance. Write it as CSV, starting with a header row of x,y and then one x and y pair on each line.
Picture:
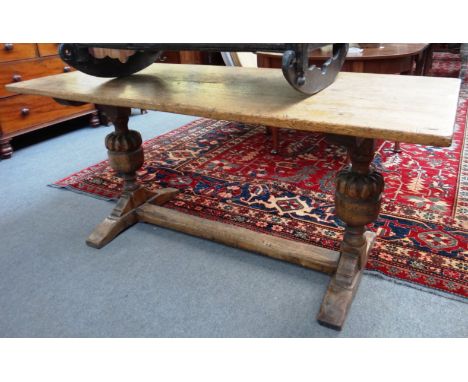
x,y
402,108
386,51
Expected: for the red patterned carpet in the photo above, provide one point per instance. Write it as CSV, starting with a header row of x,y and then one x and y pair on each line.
x,y
445,64
226,173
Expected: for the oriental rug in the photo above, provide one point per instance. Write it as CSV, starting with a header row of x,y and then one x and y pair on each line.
x,y
445,64
226,173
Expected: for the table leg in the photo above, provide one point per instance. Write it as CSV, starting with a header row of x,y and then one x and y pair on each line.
x,y
428,60
273,132
420,59
397,147
125,157
5,148
357,203
275,140
94,119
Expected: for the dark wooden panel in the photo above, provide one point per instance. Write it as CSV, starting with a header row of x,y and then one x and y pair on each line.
x,y
170,57
192,57
383,66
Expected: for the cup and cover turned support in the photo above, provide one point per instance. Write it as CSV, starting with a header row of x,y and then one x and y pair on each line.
x,y
357,203
125,157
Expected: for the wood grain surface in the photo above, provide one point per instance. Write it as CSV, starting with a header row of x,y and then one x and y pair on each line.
x,y
409,109
25,111
11,52
368,53
29,69
307,255
48,49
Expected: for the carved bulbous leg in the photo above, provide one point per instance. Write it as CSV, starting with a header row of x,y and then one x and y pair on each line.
x,y
94,120
125,157
5,148
357,203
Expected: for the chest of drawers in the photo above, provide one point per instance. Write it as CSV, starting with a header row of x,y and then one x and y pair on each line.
x,y
20,114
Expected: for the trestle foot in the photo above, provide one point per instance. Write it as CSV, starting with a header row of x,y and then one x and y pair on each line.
x,y
125,157
339,295
125,214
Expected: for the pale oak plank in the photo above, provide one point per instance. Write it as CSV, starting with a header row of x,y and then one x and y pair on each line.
x,y
411,109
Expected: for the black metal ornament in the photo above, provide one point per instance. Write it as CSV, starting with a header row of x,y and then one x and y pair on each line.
x,y
302,77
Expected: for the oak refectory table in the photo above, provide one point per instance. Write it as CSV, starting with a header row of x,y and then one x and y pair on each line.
x,y
356,109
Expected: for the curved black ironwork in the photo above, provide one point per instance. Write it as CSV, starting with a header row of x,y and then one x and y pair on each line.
x,y
311,80
307,80
81,59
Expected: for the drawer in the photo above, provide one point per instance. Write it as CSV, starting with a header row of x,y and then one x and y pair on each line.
x,y
27,69
11,52
22,112
48,49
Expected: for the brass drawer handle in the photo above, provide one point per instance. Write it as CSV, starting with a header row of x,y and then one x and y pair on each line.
x,y
17,77
8,47
25,111
66,69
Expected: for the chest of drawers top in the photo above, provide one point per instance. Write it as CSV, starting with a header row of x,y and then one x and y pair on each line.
x,y
13,52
